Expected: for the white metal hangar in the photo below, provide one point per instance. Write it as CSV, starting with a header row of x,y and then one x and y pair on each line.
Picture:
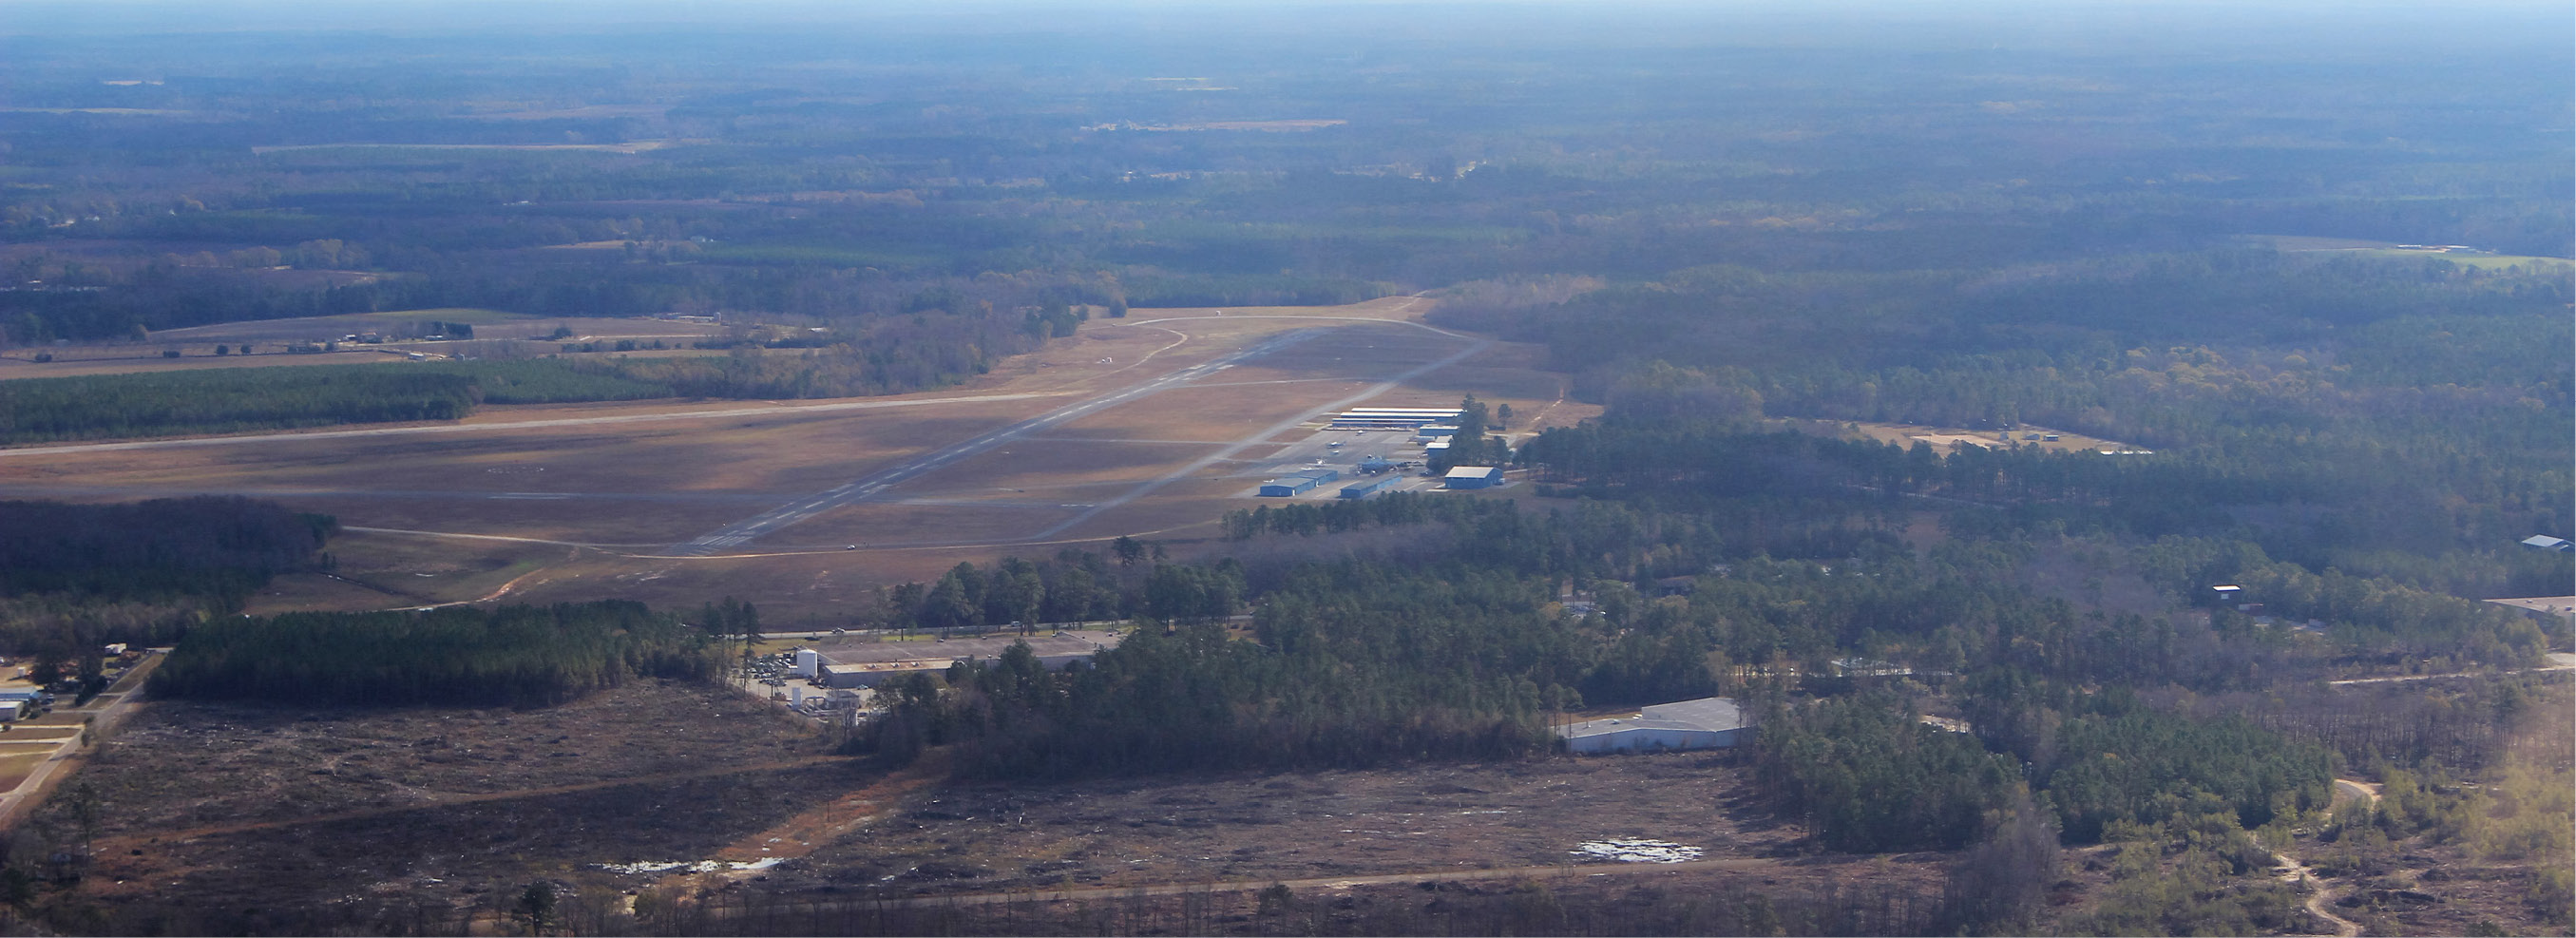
x,y
1706,723
1392,418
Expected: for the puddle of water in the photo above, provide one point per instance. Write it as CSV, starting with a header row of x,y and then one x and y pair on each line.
x,y
686,866
1637,851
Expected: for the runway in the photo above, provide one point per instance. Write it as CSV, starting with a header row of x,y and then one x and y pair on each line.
x,y
868,487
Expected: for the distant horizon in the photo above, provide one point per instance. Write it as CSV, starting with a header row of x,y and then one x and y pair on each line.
x,y
2013,22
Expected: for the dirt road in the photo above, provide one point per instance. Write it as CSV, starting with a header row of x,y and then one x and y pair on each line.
x,y
2294,872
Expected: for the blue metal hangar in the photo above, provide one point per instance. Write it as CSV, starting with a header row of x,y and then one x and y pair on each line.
x,y
1366,489
1297,483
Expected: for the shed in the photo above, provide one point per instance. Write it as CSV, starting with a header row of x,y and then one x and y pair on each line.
x,y
1473,477
1706,723
2545,542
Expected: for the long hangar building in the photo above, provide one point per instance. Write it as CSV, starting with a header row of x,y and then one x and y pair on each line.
x,y
1393,418
1706,723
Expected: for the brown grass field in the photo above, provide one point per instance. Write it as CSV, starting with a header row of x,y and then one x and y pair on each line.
x,y
565,502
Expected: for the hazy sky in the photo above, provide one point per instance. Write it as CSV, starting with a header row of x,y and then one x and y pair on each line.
x,y
2107,17
2493,31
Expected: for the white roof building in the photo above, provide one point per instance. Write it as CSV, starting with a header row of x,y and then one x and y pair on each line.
x,y
1706,723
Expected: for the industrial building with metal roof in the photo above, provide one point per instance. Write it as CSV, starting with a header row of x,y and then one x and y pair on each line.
x,y
1391,418
1372,487
1706,723
1297,483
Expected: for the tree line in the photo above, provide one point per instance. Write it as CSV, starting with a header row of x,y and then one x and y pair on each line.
x,y
219,548
523,656
1394,670
884,359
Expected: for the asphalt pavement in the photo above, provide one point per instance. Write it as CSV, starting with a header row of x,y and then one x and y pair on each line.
x,y
868,487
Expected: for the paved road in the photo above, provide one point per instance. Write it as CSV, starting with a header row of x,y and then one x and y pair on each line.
x,y
760,410
869,486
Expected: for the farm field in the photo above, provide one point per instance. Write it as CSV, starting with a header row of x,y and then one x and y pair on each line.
x,y
564,502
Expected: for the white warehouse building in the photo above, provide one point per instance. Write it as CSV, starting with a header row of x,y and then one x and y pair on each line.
x,y
1706,723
